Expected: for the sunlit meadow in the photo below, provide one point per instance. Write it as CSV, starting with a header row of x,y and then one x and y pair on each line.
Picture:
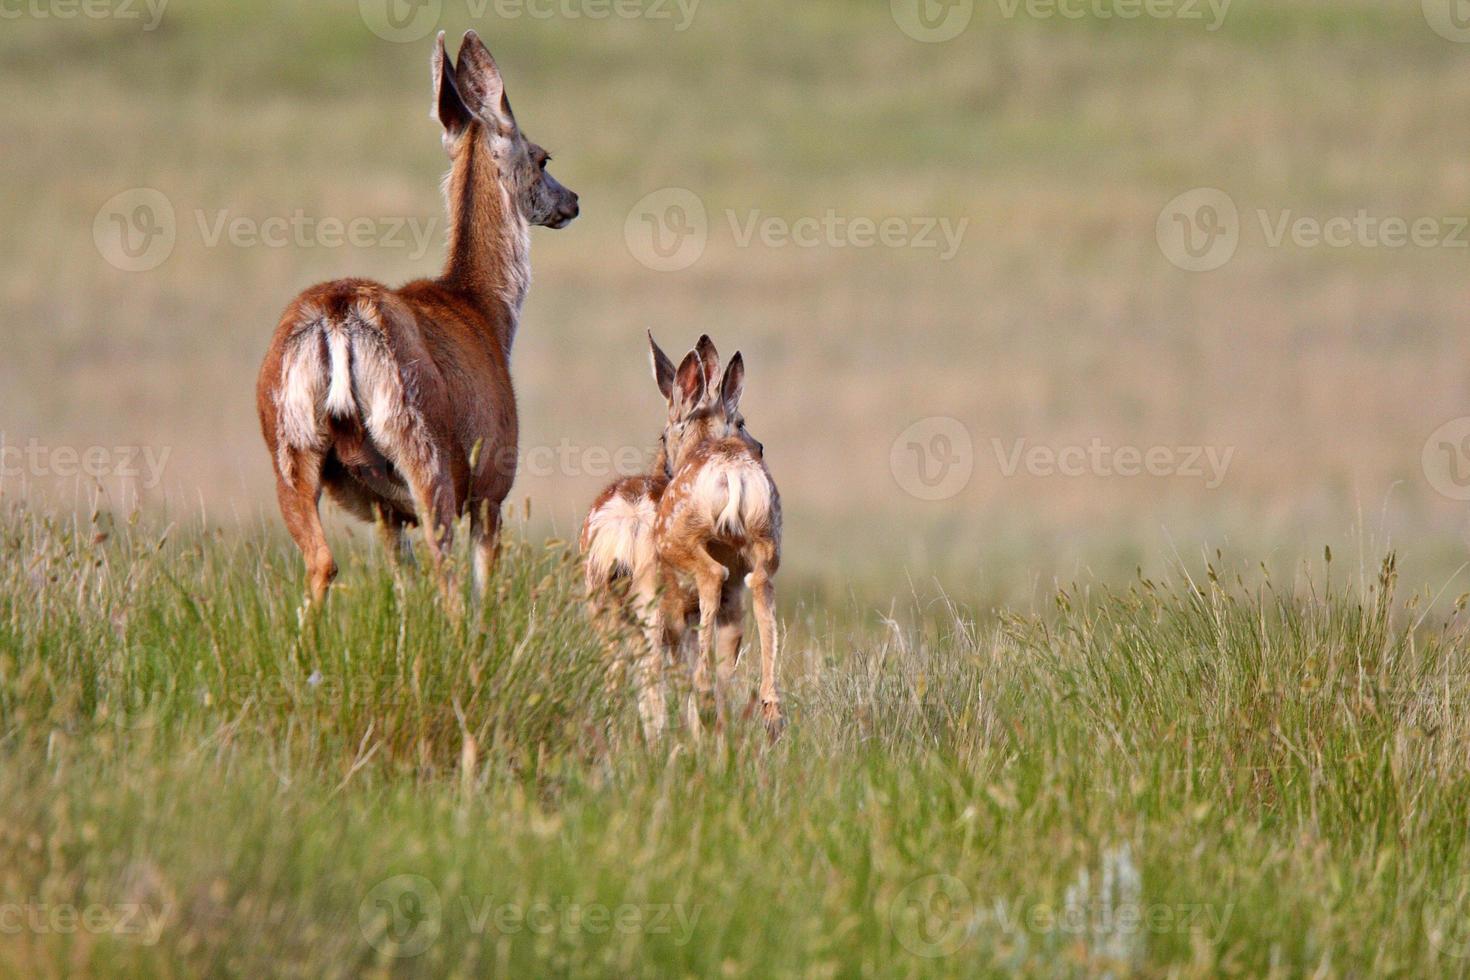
x,y
1113,371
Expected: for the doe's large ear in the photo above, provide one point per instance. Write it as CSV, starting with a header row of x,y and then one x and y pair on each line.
x,y
449,105
689,385
710,359
483,88
734,384
663,368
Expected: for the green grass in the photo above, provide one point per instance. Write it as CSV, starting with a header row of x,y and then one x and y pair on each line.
x,y
1222,776
1267,769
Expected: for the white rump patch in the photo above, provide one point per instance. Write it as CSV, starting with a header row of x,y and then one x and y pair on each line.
x,y
339,395
304,379
345,369
734,495
619,537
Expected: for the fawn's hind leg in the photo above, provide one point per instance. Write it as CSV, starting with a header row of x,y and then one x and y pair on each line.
x,y
764,594
392,536
709,579
299,498
661,633
730,622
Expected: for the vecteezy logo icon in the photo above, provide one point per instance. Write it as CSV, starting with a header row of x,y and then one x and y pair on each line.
x,y
1447,919
933,459
932,21
135,708
1446,459
667,230
1450,19
401,20
401,916
1199,230
135,230
931,917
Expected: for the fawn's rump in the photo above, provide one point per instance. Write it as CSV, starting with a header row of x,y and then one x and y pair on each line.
x,y
736,497
617,538
342,405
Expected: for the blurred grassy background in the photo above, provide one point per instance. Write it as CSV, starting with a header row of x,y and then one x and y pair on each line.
x,y
1059,320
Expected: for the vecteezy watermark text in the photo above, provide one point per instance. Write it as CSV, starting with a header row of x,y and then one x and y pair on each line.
x,y
678,12
149,11
305,231
936,21
1201,230
139,922
136,230
143,465
403,916
835,230
406,21
934,459
1098,459
669,229
1211,12
938,915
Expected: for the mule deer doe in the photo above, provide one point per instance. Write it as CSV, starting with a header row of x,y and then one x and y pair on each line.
x,y
623,575
718,530
399,402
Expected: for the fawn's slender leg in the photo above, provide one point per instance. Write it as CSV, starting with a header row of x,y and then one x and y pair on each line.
x,y
603,610
730,621
395,542
485,540
299,499
660,633
764,594
648,670
709,579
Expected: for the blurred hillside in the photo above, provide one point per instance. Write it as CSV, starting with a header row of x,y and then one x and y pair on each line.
x,y
1003,231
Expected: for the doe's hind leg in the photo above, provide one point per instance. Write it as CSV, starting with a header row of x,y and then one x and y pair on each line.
x,y
485,541
434,500
299,498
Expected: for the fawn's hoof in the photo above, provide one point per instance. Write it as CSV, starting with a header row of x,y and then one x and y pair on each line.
x,y
709,710
775,721
454,606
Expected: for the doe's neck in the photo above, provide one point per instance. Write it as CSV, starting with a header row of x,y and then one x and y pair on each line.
x,y
489,241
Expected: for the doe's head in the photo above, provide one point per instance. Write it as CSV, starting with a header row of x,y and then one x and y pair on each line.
x,y
470,102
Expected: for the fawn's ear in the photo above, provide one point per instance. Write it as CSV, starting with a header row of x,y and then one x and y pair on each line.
x,y
663,368
449,105
710,358
689,385
484,90
734,384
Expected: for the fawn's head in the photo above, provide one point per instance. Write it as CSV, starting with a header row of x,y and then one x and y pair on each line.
x,y
470,102
701,409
